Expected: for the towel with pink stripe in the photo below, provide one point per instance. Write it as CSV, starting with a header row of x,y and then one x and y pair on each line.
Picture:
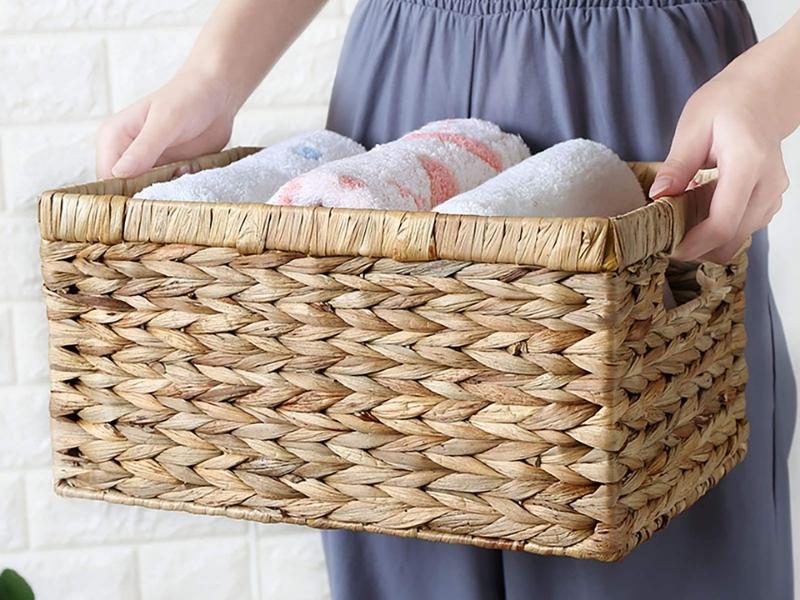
x,y
416,172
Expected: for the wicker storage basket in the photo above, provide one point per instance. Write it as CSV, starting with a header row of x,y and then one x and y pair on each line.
x,y
503,382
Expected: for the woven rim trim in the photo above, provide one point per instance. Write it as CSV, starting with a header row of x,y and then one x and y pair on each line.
x,y
104,212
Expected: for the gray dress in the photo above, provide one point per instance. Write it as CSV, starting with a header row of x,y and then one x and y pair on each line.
x,y
616,71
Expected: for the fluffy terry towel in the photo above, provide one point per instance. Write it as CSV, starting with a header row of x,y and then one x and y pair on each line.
x,y
576,178
255,178
417,172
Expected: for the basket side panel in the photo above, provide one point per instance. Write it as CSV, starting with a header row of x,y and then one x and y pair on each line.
x,y
446,400
683,408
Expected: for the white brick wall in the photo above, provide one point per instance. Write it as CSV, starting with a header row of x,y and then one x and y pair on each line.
x,y
64,65
72,62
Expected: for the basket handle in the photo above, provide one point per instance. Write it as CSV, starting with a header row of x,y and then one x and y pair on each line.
x,y
641,232
693,206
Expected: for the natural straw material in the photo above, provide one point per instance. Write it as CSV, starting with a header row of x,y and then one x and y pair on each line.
x,y
507,383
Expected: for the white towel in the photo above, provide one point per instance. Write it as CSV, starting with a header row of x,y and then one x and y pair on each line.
x,y
576,178
416,172
255,178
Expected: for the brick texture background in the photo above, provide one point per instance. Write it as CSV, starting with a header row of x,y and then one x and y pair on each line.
x,y
64,65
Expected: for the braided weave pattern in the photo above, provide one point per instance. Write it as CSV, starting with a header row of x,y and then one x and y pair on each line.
x,y
505,406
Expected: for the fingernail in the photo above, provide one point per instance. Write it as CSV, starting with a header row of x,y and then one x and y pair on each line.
x,y
182,171
660,185
125,166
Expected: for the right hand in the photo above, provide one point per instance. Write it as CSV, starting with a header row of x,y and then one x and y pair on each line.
x,y
189,116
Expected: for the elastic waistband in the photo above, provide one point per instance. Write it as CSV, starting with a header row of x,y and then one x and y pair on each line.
x,y
491,7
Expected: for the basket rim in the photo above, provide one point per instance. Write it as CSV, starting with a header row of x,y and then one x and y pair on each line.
x,y
104,211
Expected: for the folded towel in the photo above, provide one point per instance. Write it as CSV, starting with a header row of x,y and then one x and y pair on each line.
x,y
417,172
576,178
255,178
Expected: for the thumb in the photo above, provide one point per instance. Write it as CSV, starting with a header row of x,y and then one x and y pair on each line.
x,y
156,135
688,154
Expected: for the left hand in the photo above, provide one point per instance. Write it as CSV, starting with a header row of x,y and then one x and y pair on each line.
x,y
726,124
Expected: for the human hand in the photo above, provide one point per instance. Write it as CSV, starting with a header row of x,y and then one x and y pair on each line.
x,y
193,113
727,123
189,116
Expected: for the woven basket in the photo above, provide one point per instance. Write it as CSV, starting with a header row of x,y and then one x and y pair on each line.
x,y
503,382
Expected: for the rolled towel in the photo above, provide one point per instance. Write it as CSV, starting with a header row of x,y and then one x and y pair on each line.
x,y
255,178
416,172
576,178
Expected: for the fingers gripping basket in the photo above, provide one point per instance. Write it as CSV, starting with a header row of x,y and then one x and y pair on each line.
x,y
507,383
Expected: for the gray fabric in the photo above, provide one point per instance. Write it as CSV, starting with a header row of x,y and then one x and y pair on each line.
x,y
618,72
